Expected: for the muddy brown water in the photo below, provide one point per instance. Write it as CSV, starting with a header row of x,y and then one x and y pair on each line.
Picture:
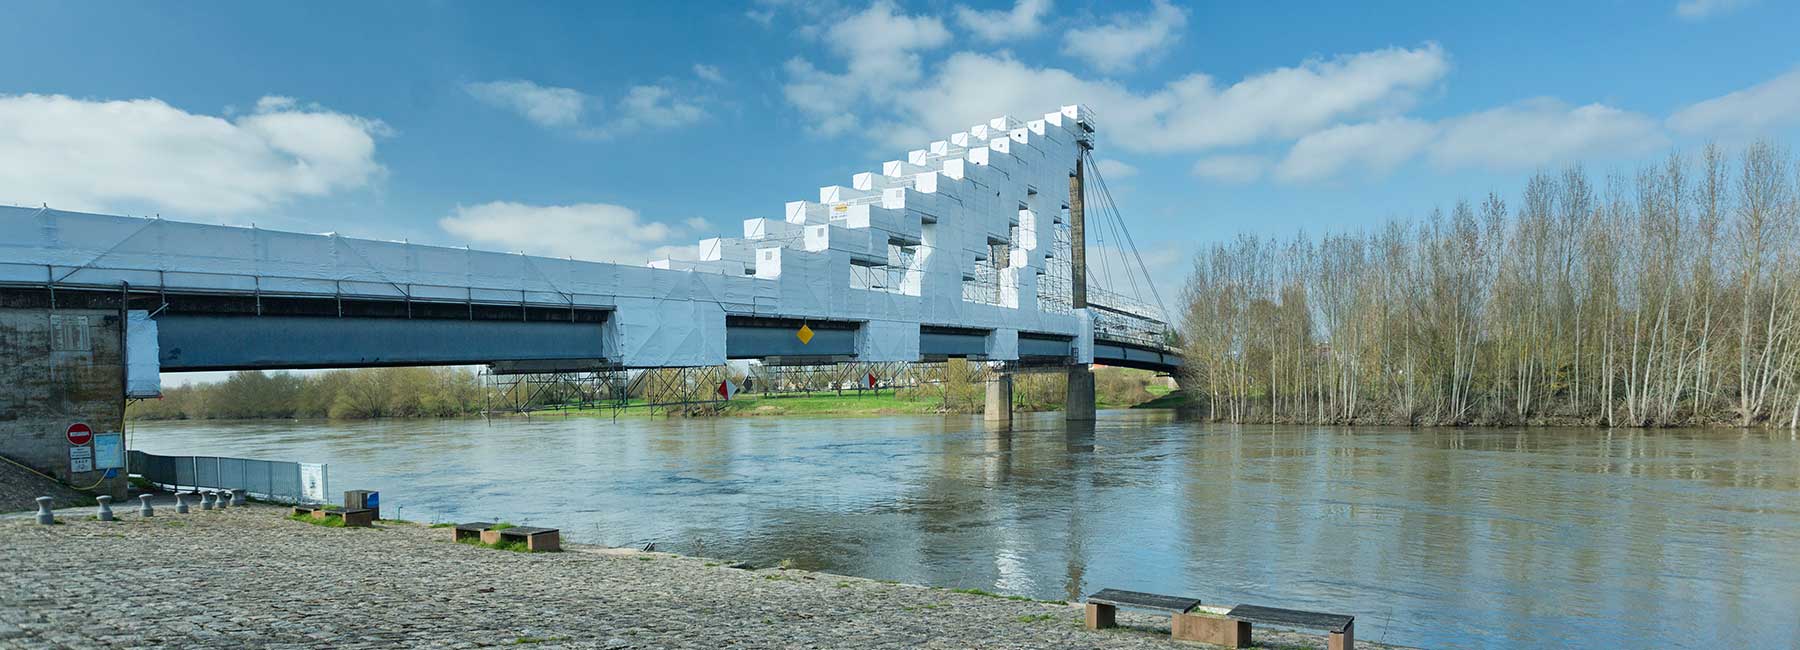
x,y
1443,538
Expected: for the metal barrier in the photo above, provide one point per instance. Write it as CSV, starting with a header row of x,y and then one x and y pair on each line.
x,y
273,480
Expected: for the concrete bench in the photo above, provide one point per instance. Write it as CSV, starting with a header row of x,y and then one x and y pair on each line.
x,y
471,530
1102,610
353,518
1340,628
535,539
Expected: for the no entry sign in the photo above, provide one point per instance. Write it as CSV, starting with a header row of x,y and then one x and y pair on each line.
x,y
80,434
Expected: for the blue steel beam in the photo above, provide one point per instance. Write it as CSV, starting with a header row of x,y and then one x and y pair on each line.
x,y
206,342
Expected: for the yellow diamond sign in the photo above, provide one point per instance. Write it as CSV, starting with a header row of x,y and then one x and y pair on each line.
x,y
805,334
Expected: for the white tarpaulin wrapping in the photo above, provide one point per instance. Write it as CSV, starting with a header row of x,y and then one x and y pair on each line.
x,y
143,376
668,333
941,221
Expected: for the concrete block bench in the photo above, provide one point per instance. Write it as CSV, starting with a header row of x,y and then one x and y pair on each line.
x,y
1102,609
353,518
535,539
1339,628
471,530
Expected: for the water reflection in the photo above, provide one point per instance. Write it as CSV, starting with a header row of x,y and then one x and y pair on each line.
x,y
1440,538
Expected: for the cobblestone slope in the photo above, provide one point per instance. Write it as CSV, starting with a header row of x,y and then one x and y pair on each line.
x,y
247,577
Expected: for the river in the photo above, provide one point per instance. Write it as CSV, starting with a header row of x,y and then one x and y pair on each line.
x,y
1440,538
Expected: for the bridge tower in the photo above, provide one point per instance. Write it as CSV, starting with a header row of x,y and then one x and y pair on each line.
x,y
1078,401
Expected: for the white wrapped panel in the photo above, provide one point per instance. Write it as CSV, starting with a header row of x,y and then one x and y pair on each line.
x,y
768,262
654,333
1003,345
725,248
837,193
887,340
769,229
1084,336
143,365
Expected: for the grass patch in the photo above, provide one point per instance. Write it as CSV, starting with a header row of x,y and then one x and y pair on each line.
x,y
330,521
503,545
712,564
1036,618
989,594
1169,400
646,558
843,585
528,640
443,525
176,524
502,526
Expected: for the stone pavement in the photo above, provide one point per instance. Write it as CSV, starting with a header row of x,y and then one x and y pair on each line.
x,y
249,578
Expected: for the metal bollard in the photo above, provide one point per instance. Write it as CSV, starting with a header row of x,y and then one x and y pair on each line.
x,y
43,514
222,499
206,501
145,510
238,496
105,507
181,507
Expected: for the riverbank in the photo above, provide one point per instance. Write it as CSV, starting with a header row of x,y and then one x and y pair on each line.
x,y
248,577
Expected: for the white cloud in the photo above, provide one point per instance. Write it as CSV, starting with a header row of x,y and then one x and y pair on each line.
x,y
1543,131
143,153
1115,169
880,50
1189,114
1771,103
709,73
1372,147
598,232
548,106
647,108
1023,20
1127,39
1698,9
1235,169
642,107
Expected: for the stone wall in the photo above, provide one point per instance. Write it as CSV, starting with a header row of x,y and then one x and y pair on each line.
x,y
59,366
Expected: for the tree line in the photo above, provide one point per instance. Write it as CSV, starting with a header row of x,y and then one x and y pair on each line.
x,y
455,391
340,394
1665,297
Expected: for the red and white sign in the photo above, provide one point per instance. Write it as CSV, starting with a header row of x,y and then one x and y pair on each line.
x,y
79,434
868,380
727,390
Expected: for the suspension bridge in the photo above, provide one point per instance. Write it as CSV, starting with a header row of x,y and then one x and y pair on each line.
x,y
974,247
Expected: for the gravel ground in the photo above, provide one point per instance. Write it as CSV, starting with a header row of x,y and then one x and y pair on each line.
x,y
248,577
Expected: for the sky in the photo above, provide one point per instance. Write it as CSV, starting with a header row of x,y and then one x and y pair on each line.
x,y
625,132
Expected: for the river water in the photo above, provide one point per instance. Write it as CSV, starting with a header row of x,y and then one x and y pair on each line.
x,y
1441,538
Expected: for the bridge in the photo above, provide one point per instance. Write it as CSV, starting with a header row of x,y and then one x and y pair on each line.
x,y
973,247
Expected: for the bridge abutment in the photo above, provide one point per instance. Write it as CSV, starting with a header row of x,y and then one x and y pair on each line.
x,y
60,367
1078,402
999,400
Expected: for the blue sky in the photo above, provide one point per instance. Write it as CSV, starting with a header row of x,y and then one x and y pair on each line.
x,y
621,132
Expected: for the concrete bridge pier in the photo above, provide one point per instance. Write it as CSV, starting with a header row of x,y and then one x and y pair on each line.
x,y
999,400
62,362
1078,402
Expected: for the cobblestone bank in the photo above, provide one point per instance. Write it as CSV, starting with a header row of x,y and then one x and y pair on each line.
x,y
247,577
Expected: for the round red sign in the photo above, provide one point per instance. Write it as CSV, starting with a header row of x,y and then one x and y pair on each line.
x,y
80,434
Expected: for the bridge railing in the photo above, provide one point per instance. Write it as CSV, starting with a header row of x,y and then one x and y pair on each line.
x,y
56,276
1118,317
274,480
